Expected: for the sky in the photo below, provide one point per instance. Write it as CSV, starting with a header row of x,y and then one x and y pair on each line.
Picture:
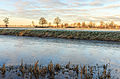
x,y
22,12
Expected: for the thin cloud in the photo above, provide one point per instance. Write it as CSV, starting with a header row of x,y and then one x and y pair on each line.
x,y
74,10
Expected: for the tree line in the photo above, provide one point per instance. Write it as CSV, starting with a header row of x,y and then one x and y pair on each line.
x,y
91,24
43,21
57,21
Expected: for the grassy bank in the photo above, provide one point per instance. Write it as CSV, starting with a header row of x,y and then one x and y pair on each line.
x,y
83,35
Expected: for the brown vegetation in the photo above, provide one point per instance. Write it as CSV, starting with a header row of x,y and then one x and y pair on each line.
x,y
68,34
55,71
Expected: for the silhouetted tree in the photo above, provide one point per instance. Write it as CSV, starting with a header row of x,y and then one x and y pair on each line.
x,y
66,25
83,24
49,24
62,25
106,25
90,24
115,26
111,25
33,24
94,25
78,24
57,21
42,21
101,24
6,21
74,24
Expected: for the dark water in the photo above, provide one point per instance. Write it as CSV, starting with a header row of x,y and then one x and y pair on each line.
x,y
31,49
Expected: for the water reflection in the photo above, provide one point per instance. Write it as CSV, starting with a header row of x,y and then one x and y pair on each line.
x,y
30,49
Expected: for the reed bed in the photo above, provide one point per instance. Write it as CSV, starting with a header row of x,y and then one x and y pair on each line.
x,y
55,71
68,34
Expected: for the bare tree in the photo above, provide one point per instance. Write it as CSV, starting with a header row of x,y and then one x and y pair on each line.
x,y
66,25
49,24
83,24
94,25
106,25
90,24
101,24
57,21
6,21
62,25
33,24
111,25
42,21
78,24
74,24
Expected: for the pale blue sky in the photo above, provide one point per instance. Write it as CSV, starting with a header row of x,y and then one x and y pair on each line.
x,y
25,11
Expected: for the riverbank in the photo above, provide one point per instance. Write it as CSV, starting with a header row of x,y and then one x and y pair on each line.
x,y
67,34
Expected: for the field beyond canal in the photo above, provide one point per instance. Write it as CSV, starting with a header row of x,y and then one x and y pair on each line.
x,y
101,35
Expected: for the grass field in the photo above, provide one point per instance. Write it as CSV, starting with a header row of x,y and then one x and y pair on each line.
x,y
83,34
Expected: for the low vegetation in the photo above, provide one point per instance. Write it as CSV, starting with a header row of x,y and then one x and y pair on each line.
x,y
55,71
83,35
